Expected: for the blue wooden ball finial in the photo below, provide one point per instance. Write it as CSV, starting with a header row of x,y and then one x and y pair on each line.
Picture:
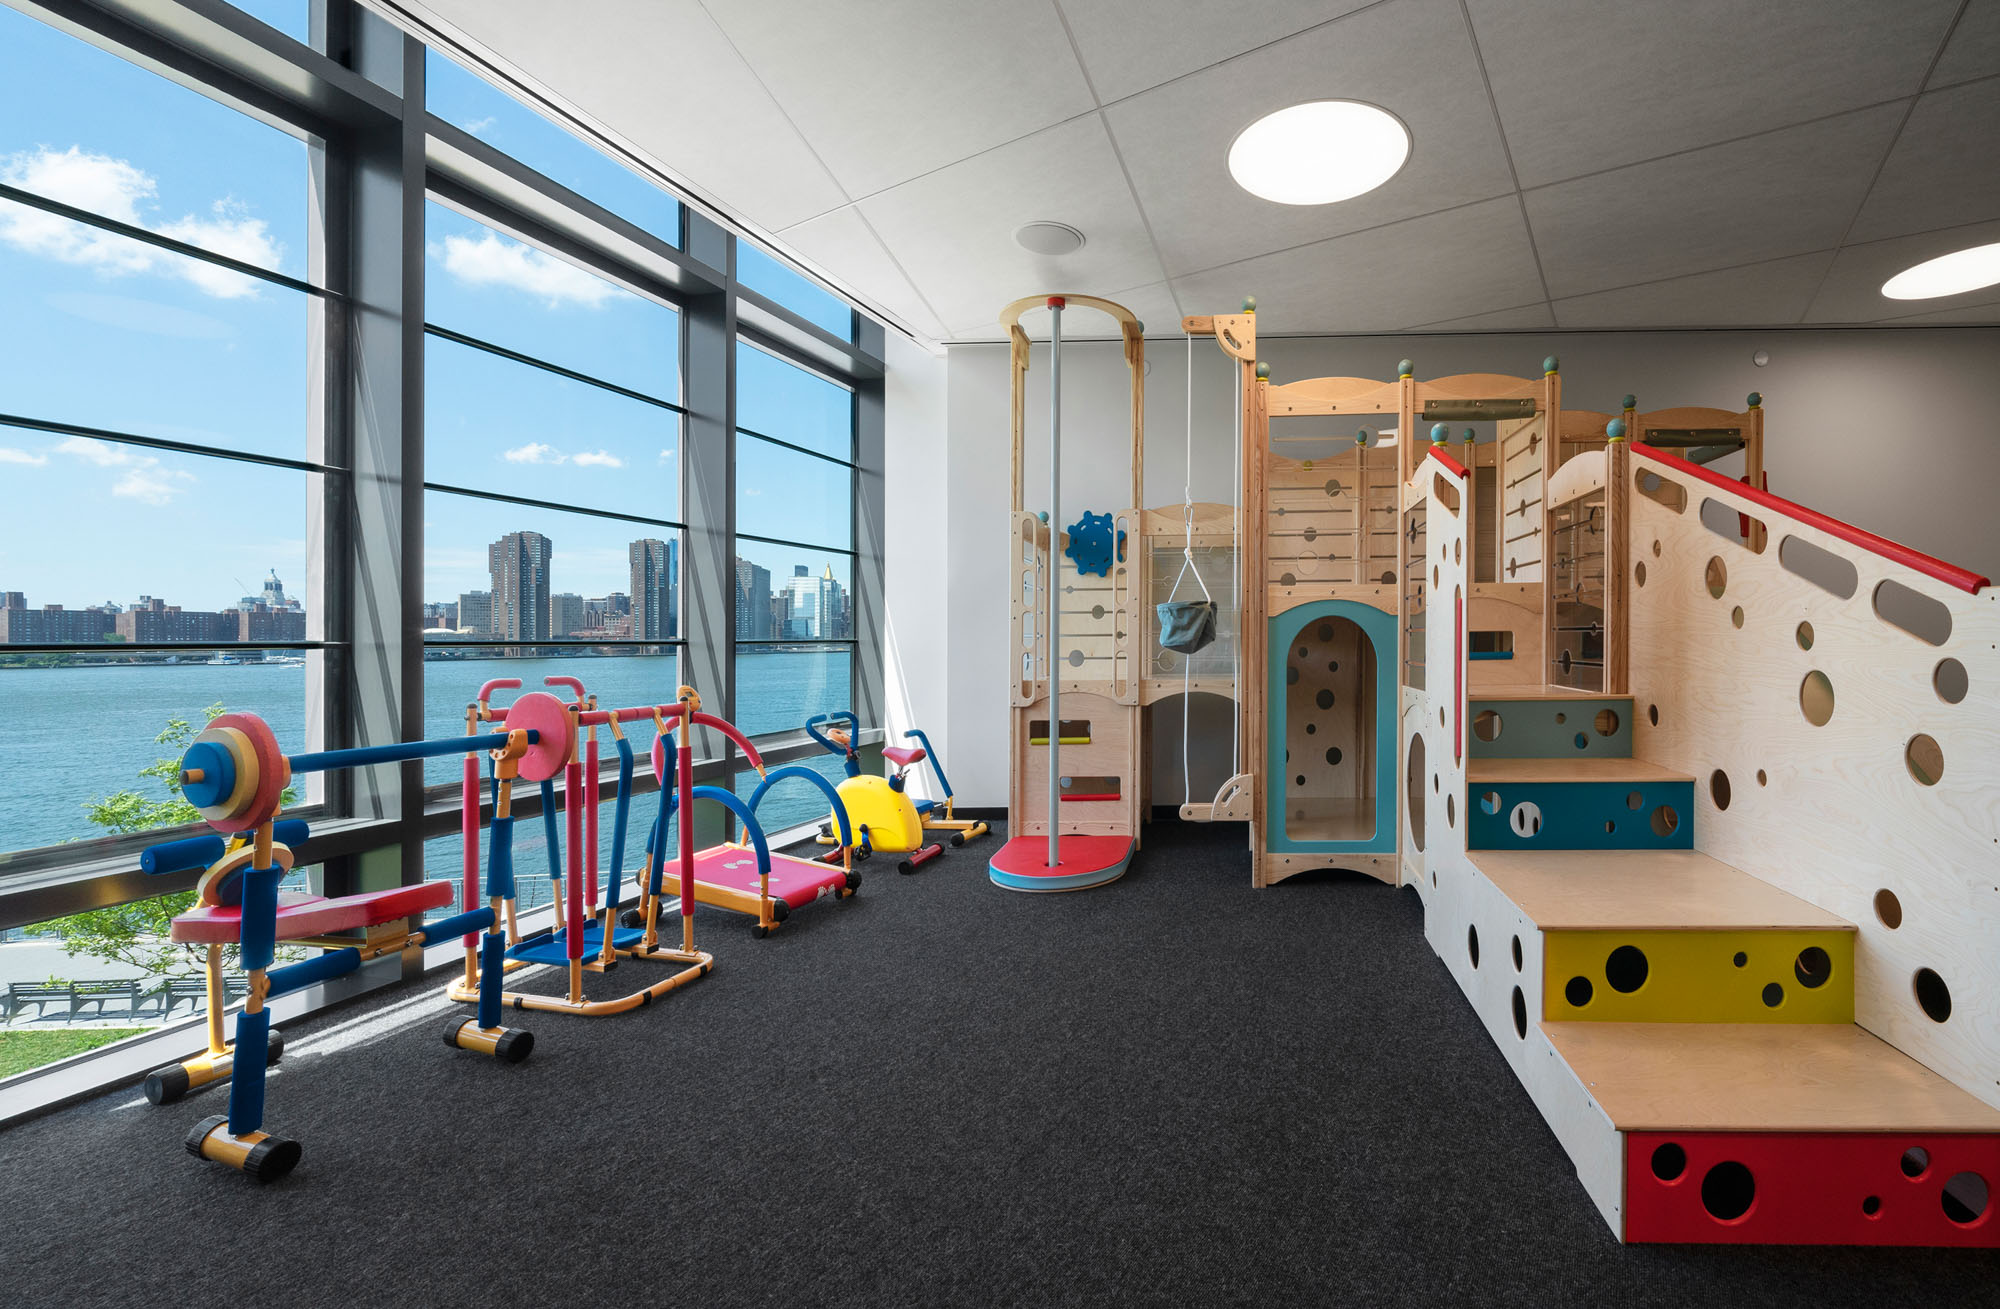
x,y
1615,430
1406,369
1044,515
1361,437
1756,399
1550,365
1249,304
1263,371
1440,434
1467,438
1629,402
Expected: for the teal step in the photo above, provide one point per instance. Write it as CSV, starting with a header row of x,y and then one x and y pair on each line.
x,y
1577,804
1546,727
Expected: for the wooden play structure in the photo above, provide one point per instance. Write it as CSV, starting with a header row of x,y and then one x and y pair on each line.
x,y
1696,784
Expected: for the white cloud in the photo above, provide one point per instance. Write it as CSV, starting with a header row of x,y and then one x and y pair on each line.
x,y
667,455
140,476
599,459
12,456
491,260
118,190
535,452
478,125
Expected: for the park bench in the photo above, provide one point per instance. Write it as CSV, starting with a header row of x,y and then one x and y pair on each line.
x,y
40,994
194,991
100,994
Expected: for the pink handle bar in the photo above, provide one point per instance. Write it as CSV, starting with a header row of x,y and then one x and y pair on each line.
x,y
638,713
486,689
573,683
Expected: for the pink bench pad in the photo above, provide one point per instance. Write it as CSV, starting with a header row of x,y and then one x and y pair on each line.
x,y
795,881
310,915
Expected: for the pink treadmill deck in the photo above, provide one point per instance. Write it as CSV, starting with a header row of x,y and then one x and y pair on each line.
x,y
302,915
795,881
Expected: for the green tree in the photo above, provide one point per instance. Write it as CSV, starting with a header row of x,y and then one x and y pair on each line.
x,y
136,934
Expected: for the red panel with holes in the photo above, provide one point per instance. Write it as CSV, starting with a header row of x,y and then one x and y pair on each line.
x,y
1812,1188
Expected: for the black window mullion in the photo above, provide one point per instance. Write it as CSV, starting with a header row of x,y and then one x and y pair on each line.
x,y
460,338
553,506
804,450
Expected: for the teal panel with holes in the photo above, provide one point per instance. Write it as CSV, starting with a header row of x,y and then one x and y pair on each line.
x,y
1581,816
1379,629
1550,729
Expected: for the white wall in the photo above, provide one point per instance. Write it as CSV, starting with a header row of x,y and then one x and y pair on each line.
x,y
1895,431
915,656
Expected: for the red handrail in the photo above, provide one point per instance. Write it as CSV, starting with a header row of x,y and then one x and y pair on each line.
x,y
1950,574
1448,462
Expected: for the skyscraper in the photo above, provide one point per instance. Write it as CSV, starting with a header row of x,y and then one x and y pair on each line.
x,y
753,601
565,614
475,612
803,605
519,564
655,589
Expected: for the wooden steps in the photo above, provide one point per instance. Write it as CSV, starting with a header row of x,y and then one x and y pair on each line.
x,y
1581,769
1644,890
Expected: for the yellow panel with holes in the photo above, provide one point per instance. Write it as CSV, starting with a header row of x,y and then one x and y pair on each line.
x,y
1699,977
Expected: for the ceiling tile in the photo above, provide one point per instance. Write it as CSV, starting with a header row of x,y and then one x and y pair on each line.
x,y
1988,313
1583,85
1761,294
1779,194
1520,318
953,230
1853,289
1175,139
892,89
844,247
1129,45
1944,169
1974,49
776,184
1455,264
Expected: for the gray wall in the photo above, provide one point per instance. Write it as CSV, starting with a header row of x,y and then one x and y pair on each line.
x,y
1895,431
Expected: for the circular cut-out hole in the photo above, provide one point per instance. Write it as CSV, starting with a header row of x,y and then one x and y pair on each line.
x,y
1949,681
1312,728
1472,944
1933,996
1582,741
1288,579
1635,800
1324,632
1871,1205
1435,787
1669,1162
1561,719
1813,967
1333,486
1333,665
1924,758
1653,714
1520,1014
1762,780
1413,787
1816,698
1517,954
1626,969
1916,1162
1736,616
1292,675
1076,659
1716,576
1665,820
1718,788
1639,572
1526,820
1434,575
1774,995
1486,725
1804,635
1578,991
1300,780
1490,802
1656,547
1333,755
1609,827
1606,722
1451,811
1324,699
1741,959
1388,578
1727,1191
1965,1198
1888,908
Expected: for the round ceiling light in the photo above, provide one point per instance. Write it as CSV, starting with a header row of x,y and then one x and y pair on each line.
x,y
1048,238
1952,274
1319,152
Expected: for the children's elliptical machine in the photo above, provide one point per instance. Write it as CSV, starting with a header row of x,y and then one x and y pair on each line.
x,y
884,816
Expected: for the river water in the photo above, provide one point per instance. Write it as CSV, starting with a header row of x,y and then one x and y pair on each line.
x,y
74,734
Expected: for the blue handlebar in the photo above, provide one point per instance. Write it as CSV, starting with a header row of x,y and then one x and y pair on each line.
x,y
796,770
195,852
853,728
930,753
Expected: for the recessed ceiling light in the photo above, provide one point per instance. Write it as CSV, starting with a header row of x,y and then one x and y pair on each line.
x,y
1048,238
1319,152
1965,270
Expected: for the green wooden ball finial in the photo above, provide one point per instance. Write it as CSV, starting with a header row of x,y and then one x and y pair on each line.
x,y
1263,371
1615,430
1551,365
1629,402
1361,437
1756,399
1249,304
1406,369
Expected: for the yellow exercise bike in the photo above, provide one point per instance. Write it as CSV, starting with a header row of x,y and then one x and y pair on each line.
x,y
880,808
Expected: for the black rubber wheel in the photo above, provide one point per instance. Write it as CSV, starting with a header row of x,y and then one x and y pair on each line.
x,y
826,829
514,1045
862,853
277,1048
853,882
631,918
905,867
780,911
271,1158
957,839
451,1033
167,1085
199,1132
760,931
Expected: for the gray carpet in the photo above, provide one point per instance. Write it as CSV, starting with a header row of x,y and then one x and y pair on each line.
x,y
1173,1090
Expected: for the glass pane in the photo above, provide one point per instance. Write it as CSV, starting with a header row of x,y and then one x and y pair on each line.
x,y
780,492
171,347
464,100
778,687
792,593
444,855
800,294
492,424
487,285
793,802
82,126
783,400
121,775
622,676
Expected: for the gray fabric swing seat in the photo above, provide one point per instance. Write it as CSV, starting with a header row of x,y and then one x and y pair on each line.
x,y
1186,625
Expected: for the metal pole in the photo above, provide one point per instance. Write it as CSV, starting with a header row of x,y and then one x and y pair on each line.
x,y
1054,575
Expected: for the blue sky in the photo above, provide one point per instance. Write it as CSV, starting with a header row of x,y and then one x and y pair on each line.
x,y
108,332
